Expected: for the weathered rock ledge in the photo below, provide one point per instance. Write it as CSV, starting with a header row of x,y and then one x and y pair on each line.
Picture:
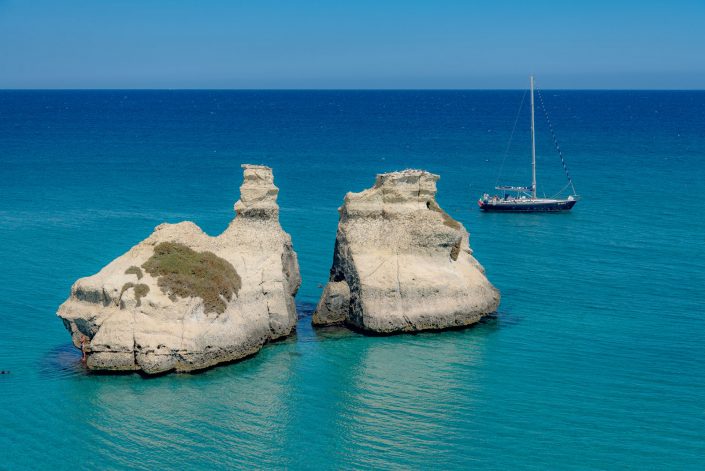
x,y
182,300
401,264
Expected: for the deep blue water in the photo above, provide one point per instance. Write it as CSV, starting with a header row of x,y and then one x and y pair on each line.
x,y
595,360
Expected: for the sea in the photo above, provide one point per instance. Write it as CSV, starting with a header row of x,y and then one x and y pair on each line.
x,y
594,360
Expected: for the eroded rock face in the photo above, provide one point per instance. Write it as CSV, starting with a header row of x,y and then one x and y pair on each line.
x,y
182,300
401,264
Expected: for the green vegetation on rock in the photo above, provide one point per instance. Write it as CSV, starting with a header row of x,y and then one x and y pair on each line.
x,y
141,291
133,270
184,272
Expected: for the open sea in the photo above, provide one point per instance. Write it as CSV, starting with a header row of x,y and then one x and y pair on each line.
x,y
595,360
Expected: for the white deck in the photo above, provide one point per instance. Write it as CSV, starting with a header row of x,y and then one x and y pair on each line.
x,y
524,200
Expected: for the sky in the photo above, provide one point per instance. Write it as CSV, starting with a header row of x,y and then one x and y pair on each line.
x,y
354,44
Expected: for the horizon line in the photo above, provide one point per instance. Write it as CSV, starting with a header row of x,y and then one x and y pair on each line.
x,y
390,89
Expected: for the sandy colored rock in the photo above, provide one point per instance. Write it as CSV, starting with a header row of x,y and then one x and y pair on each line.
x,y
401,264
334,304
125,319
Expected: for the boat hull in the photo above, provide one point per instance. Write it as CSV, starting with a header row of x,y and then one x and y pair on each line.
x,y
528,206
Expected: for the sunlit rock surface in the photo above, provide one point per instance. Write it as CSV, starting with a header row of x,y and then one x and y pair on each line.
x,y
401,264
182,300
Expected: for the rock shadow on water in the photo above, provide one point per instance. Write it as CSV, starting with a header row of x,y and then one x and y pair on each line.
x,y
306,332
61,361
65,361
304,309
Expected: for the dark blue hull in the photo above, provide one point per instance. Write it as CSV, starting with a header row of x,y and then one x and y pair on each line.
x,y
528,207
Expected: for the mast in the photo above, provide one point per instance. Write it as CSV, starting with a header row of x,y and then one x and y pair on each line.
x,y
533,144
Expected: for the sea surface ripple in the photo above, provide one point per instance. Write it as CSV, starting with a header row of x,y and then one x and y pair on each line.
x,y
594,360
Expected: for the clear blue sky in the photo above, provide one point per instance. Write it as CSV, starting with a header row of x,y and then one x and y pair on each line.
x,y
354,44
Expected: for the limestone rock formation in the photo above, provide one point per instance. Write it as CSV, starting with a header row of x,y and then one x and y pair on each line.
x,y
401,264
182,300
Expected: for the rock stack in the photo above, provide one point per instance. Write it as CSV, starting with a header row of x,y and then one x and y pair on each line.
x,y
182,300
401,263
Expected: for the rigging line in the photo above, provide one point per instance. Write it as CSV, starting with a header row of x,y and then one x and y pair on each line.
x,y
511,136
562,190
555,142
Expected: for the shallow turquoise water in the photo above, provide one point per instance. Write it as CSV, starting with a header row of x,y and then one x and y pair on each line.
x,y
595,360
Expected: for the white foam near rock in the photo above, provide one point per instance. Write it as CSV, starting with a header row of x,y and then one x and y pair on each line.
x,y
124,320
401,264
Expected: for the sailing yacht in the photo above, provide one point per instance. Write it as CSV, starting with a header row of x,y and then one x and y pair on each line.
x,y
523,199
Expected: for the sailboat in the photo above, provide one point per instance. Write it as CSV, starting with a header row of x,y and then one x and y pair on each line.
x,y
523,199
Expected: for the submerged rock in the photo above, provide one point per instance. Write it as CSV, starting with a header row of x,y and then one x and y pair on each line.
x,y
401,264
182,300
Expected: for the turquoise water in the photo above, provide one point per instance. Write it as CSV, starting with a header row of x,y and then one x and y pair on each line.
x,y
594,361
